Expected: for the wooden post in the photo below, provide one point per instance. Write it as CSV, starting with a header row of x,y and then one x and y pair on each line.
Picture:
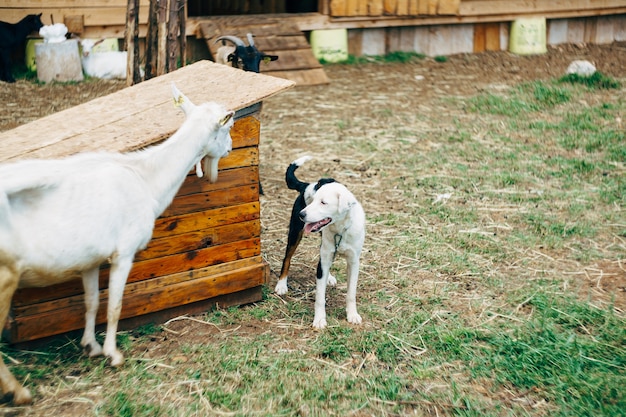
x,y
152,40
131,41
162,37
172,36
182,35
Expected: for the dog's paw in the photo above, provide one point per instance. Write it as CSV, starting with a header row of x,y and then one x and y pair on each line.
x,y
332,281
319,322
354,318
281,287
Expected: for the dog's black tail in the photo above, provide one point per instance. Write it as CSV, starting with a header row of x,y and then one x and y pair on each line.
x,y
294,183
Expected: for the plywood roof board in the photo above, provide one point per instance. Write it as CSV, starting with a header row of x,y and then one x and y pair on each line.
x,y
136,116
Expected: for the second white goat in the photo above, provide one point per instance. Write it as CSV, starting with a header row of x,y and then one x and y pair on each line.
x,y
103,64
67,216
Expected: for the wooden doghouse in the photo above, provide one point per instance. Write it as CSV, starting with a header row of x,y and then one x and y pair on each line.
x,y
206,247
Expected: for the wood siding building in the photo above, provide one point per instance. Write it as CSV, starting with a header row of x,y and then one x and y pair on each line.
x,y
374,26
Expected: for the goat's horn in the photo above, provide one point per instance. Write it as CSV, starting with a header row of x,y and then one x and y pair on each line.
x,y
233,39
250,39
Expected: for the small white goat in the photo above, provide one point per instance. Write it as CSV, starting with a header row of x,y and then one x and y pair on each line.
x,y
103,64
66,216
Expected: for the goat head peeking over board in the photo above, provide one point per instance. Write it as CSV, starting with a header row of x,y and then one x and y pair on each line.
x,y
66,216
249,56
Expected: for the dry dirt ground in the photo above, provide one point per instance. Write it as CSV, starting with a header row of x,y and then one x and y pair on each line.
x,y
292,123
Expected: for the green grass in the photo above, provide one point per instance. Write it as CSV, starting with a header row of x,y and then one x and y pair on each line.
x,y
391,57
596,81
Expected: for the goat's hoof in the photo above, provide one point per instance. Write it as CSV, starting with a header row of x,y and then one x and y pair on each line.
x,y
21,396
6,398
117,359
93,350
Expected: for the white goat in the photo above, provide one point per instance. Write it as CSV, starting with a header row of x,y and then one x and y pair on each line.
x,y
103,64
67,216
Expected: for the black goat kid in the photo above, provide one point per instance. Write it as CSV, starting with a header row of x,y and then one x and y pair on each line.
x,y
248,58
13,35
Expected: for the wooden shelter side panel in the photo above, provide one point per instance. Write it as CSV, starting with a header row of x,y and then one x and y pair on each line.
x,y
205,224
34,322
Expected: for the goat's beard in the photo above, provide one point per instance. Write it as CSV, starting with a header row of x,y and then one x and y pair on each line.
x,y
209,165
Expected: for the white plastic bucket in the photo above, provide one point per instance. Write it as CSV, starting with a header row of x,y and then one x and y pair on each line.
x,y
330,45
528,36
58,61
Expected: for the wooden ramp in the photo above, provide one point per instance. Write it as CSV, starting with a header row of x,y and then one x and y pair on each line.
x,y
296,61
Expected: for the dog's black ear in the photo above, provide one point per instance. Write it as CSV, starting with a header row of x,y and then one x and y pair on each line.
x,y
323,182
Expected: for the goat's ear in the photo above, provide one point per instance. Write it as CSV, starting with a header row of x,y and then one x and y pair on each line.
x,y
268,58
226,118
181,100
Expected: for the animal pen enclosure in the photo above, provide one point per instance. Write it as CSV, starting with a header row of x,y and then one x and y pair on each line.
x,y
374,27
205,248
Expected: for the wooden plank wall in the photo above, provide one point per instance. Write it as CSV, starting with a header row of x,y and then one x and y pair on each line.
x,y
434,40
536,7
340,8
106,18
468,8
98,18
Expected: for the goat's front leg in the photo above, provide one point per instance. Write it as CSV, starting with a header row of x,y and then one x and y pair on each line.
x,y
120,267
11,389
92,300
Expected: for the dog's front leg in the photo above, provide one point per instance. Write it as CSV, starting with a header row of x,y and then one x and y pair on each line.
x,y
353,277
323,271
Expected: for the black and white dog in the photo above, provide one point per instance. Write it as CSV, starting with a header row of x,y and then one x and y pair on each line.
x,y
327,207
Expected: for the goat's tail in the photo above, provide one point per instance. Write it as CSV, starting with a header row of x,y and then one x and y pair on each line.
x,y
294,183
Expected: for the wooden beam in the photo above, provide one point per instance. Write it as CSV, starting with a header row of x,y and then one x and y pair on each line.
x,y
316,21
498,7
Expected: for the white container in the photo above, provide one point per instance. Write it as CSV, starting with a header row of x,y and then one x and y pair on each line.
x,y
528,36
29,56
330,45
58,61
